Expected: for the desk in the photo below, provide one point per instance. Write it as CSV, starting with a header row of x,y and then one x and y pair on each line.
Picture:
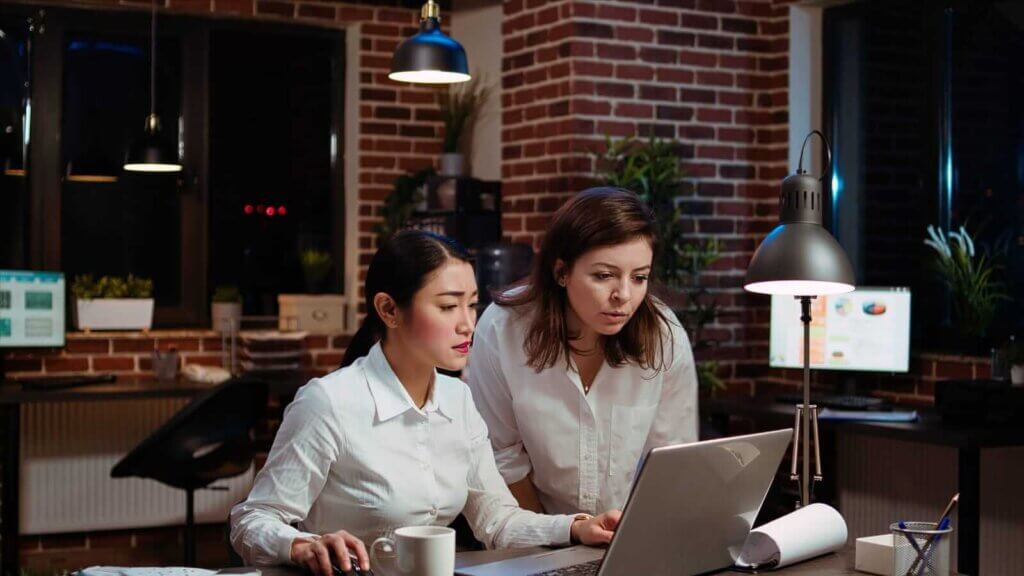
x,y
929,429
12,396
839,564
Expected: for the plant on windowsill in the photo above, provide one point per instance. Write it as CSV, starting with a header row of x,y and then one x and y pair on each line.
x,y
113,303
226,308
314,312
459,106
651,169
969,276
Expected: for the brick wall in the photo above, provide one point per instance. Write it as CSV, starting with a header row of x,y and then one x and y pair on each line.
x,y
709,73
130,353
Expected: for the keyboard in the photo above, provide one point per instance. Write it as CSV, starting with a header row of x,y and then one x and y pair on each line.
x,y
585,569
65,381
834,401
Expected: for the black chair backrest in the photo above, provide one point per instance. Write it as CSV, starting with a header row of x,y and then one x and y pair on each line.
x,y
224,414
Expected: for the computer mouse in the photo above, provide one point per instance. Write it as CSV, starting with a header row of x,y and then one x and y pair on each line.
x,y
355,571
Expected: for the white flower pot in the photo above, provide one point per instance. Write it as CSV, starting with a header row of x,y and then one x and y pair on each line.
x,y
452,164
114,314
1017,375
225,316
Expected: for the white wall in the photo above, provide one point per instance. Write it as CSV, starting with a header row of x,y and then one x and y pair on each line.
x,y
476,24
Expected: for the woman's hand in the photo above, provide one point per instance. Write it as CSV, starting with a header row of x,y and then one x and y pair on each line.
x,y
596,531
317,556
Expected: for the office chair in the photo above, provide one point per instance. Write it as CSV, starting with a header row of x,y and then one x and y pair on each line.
x,y
208,440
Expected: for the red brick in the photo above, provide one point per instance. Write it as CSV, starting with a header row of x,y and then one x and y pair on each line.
x,y
659,17
395,16
695,95
675,75
673,38
616,52
714,115
87,346
241,7
723,6
133,344
681,113
317,11
704,59
180,344
663,93
699,21
197,6
658,55
616,13
715,41
634,34
274,8
708,78
113,363
356,14
202,359
946,370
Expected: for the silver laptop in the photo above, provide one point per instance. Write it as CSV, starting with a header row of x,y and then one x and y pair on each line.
x,y
689,511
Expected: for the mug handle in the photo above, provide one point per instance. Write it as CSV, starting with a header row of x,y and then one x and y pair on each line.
x,y
385,541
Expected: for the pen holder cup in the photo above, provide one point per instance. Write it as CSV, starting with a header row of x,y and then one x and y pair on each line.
x,y
920,549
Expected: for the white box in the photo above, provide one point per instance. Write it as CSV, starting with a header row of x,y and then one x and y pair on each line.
x,y
313,313
875,555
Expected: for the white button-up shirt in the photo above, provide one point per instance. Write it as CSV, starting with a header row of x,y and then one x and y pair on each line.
x,y
583,449
355,453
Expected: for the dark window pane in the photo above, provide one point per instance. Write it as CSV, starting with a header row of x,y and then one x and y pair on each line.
x,y
988,140
13,184
113,222
271,98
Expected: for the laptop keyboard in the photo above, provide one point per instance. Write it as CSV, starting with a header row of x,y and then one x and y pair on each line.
x,y
585,569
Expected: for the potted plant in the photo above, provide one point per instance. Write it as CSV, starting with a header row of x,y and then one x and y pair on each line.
x,y
459,105
402,202
113,303
313,311
226,308
651,169
1016,360
968,275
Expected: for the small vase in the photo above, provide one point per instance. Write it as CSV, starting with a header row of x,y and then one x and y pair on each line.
x,y
452,164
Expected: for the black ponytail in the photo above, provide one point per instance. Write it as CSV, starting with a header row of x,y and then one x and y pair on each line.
x,y
399,269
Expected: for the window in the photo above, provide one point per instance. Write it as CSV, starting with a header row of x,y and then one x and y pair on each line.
x,y
256,111
924,113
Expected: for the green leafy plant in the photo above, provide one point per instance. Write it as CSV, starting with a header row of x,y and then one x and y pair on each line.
x,y
400,204
969,277
227,293
651,169
316,264
84,287
458,105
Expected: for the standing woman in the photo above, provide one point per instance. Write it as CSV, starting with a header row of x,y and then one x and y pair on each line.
x,y
579,370
386,441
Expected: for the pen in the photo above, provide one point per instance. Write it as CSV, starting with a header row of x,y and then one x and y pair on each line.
x,y
943,518
913,543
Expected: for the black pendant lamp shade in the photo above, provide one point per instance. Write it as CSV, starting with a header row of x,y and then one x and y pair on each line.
x,y
799,257
429,56
151,152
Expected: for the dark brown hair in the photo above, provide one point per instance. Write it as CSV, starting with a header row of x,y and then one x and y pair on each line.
x,y
594,218
401,266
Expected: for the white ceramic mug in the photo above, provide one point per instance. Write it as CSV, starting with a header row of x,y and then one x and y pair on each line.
x,y
420,550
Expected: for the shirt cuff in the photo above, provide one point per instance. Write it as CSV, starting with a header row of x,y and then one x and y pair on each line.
x,y
561,530
284,554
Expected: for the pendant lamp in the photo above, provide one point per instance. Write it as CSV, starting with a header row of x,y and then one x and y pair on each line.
x,y
429,56
152,152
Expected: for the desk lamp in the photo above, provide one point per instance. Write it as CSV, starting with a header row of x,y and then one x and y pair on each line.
x,y
800,258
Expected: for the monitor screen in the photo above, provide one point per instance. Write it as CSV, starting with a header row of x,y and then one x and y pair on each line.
x,y
31,309
867,329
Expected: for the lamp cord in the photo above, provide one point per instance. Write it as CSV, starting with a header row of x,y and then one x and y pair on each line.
x,y
828,154
152,59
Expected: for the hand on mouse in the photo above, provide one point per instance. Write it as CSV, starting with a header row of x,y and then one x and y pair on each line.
x,y
596,531
318,555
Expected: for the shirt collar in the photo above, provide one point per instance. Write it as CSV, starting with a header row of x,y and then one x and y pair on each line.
x,y
389,395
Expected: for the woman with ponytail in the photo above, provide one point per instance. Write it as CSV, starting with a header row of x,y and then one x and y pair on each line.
x,y
386,441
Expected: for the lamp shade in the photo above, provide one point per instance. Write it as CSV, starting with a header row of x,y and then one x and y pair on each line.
x,y
429,56
799,257
151,152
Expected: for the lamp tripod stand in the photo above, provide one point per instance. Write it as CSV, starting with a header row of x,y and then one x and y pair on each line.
x,y
805,418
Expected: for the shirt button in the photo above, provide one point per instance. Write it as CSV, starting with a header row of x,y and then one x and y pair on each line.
x,y
433,511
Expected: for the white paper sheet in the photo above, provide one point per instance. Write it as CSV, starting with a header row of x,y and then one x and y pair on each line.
x,y
808,532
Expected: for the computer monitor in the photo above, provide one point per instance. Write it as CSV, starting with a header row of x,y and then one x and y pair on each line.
x,y
864,330
31,309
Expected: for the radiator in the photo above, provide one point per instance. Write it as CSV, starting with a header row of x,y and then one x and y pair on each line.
x,y
67,452
881,481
